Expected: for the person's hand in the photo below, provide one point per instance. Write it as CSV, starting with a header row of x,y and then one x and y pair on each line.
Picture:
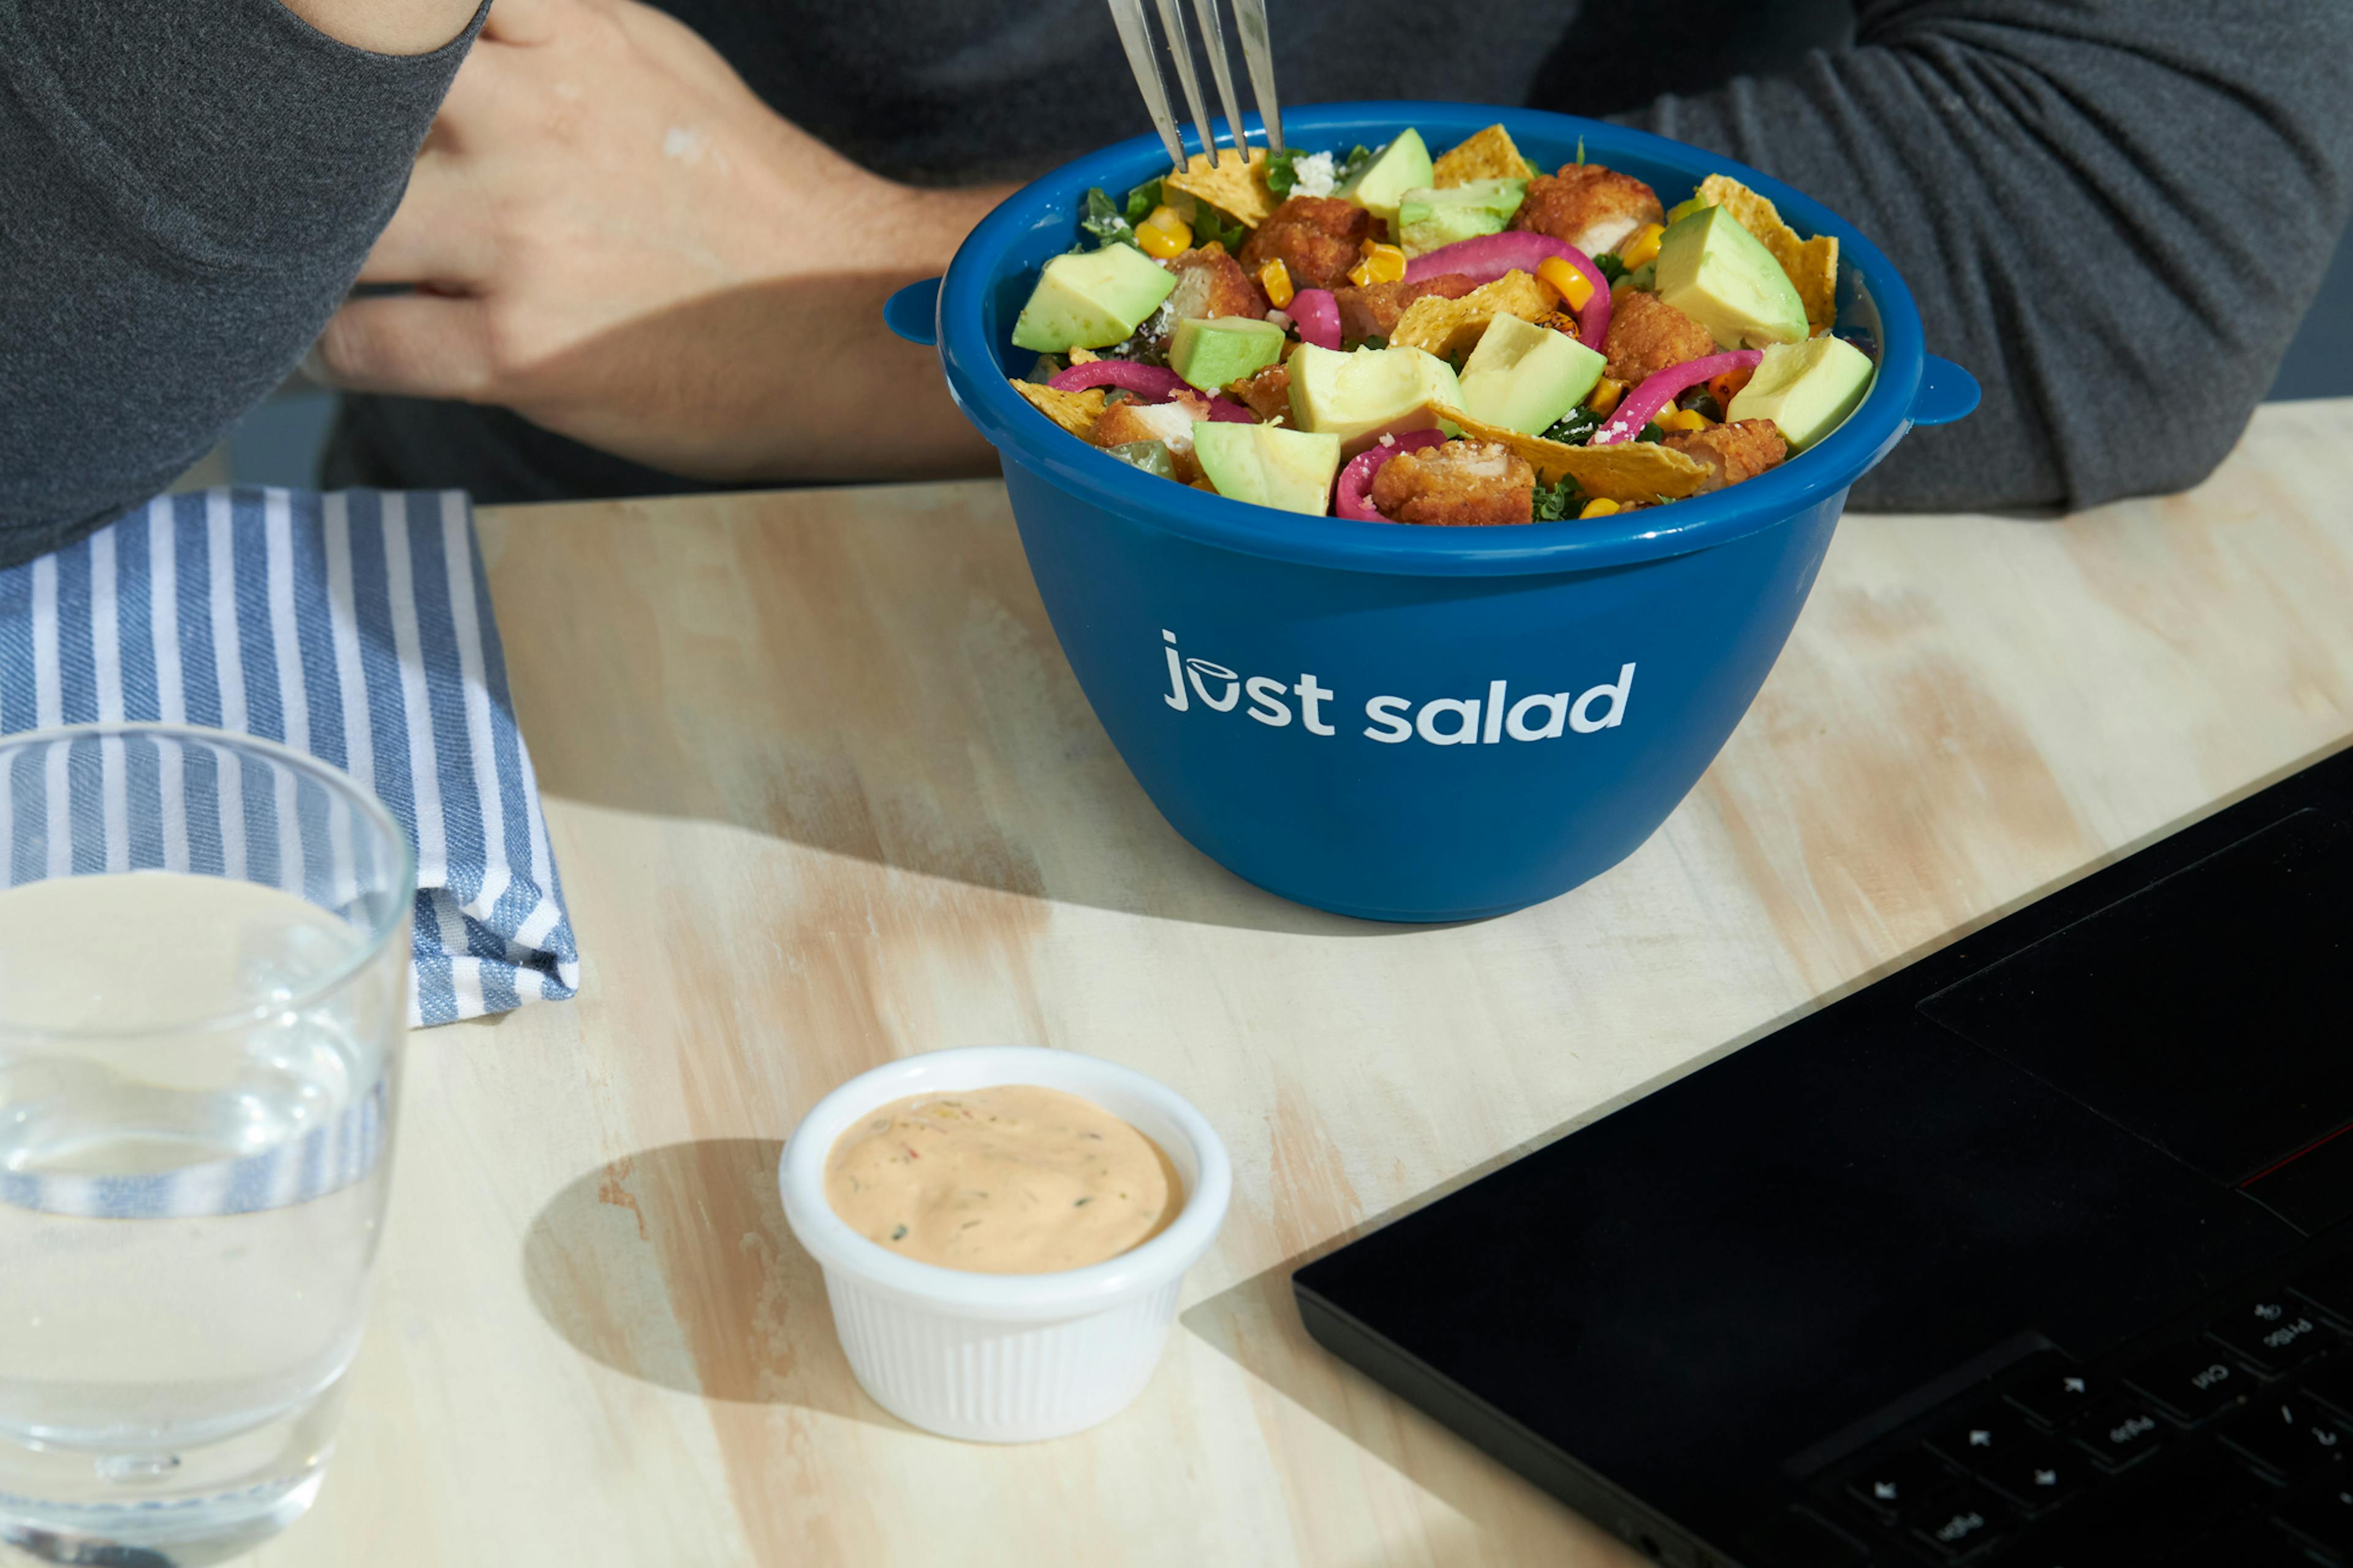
x,y
611,236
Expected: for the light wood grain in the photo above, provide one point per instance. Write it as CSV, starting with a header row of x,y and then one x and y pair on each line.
x,y
824,793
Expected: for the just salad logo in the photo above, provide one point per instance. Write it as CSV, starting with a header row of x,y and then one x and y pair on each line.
x,y
1319,709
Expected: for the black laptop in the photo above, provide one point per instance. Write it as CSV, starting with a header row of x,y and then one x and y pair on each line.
x,y
2037,1253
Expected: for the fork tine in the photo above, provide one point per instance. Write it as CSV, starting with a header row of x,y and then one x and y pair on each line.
x,y
1136,37
1250,21
1180,48
1213,38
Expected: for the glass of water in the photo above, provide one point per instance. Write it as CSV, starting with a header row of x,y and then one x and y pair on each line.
x,y
204,986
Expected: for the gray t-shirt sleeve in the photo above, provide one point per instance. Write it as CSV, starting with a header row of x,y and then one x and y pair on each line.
x,y
2113,212
187,189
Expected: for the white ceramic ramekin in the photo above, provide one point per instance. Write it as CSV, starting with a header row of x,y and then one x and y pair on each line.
x,y
1005,1358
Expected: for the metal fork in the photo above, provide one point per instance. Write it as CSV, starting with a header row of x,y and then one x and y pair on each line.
x,y
1144,59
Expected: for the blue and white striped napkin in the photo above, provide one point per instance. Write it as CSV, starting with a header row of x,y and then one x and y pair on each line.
x,y
355,626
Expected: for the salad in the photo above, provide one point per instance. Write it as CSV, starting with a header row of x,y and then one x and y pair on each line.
x,y
1457,340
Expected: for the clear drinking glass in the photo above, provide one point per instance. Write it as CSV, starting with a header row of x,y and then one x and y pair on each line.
x,y
204,988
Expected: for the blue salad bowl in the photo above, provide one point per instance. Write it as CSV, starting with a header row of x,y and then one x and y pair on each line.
x,y
1399,723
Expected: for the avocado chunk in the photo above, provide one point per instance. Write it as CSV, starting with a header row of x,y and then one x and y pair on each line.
x,y
1267,465
1428,219
1370,394
1721,276
1222,349
1806,389
1525,377
1091,300
1403,165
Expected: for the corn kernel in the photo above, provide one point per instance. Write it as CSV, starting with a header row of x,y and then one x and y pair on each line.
x,y
1382,264
1685,419
1275,279
1164,234
1361,273
1573,286
1642,248
1605,395
1599,509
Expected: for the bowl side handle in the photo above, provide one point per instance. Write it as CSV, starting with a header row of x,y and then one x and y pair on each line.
x,y
913,312
1946,391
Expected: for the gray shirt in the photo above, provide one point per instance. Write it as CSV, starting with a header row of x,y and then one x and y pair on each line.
x,y
2113,211
187,188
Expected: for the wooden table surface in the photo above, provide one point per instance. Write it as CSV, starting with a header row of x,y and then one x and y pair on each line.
x,y
824,793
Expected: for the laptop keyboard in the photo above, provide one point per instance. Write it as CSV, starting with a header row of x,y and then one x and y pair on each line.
x,y
2231,1446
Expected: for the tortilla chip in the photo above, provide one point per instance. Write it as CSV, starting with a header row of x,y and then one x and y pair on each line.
x,y
1073,411
1490,156
1632,470
1235,188
1449,327
1811,264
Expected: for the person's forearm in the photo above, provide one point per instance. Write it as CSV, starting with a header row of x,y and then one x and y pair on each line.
x,y
2115,214
189,190
684,280
388,27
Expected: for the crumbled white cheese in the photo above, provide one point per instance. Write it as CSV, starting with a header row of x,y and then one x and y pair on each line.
x,y
1388,439
1281,318
1170,423
1313,176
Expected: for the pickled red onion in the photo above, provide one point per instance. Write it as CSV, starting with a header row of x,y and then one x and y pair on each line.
x,y
1353,496
1146,381
1640,406
1489,257
1318,315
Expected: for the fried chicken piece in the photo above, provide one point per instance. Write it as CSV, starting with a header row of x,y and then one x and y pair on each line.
x,y
1457,484
1316,238
1211,283
1170,424
1734,452
1591,208
1647,335
1266,393
1373,311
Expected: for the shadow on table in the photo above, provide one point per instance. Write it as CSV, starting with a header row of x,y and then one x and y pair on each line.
x,y
1256,1324
868,674
674,1265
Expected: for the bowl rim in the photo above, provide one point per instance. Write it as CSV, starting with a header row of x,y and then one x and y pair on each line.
x,y
1068,1293
1020,433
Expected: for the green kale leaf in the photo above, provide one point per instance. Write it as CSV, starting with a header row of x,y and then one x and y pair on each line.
x,y
1104,221
1555,502
1574,428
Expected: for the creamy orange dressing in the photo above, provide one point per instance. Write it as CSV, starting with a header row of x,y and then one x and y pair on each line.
x,y
1012,1180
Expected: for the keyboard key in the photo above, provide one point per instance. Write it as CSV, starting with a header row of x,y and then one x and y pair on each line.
x,y
2039,1472
1980,1433
2194,1381
2054,1390
1801,1540
2122,1432
2274,1331
2322,1513
1963,1520
1897,1482
2288,1436
2141,1516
